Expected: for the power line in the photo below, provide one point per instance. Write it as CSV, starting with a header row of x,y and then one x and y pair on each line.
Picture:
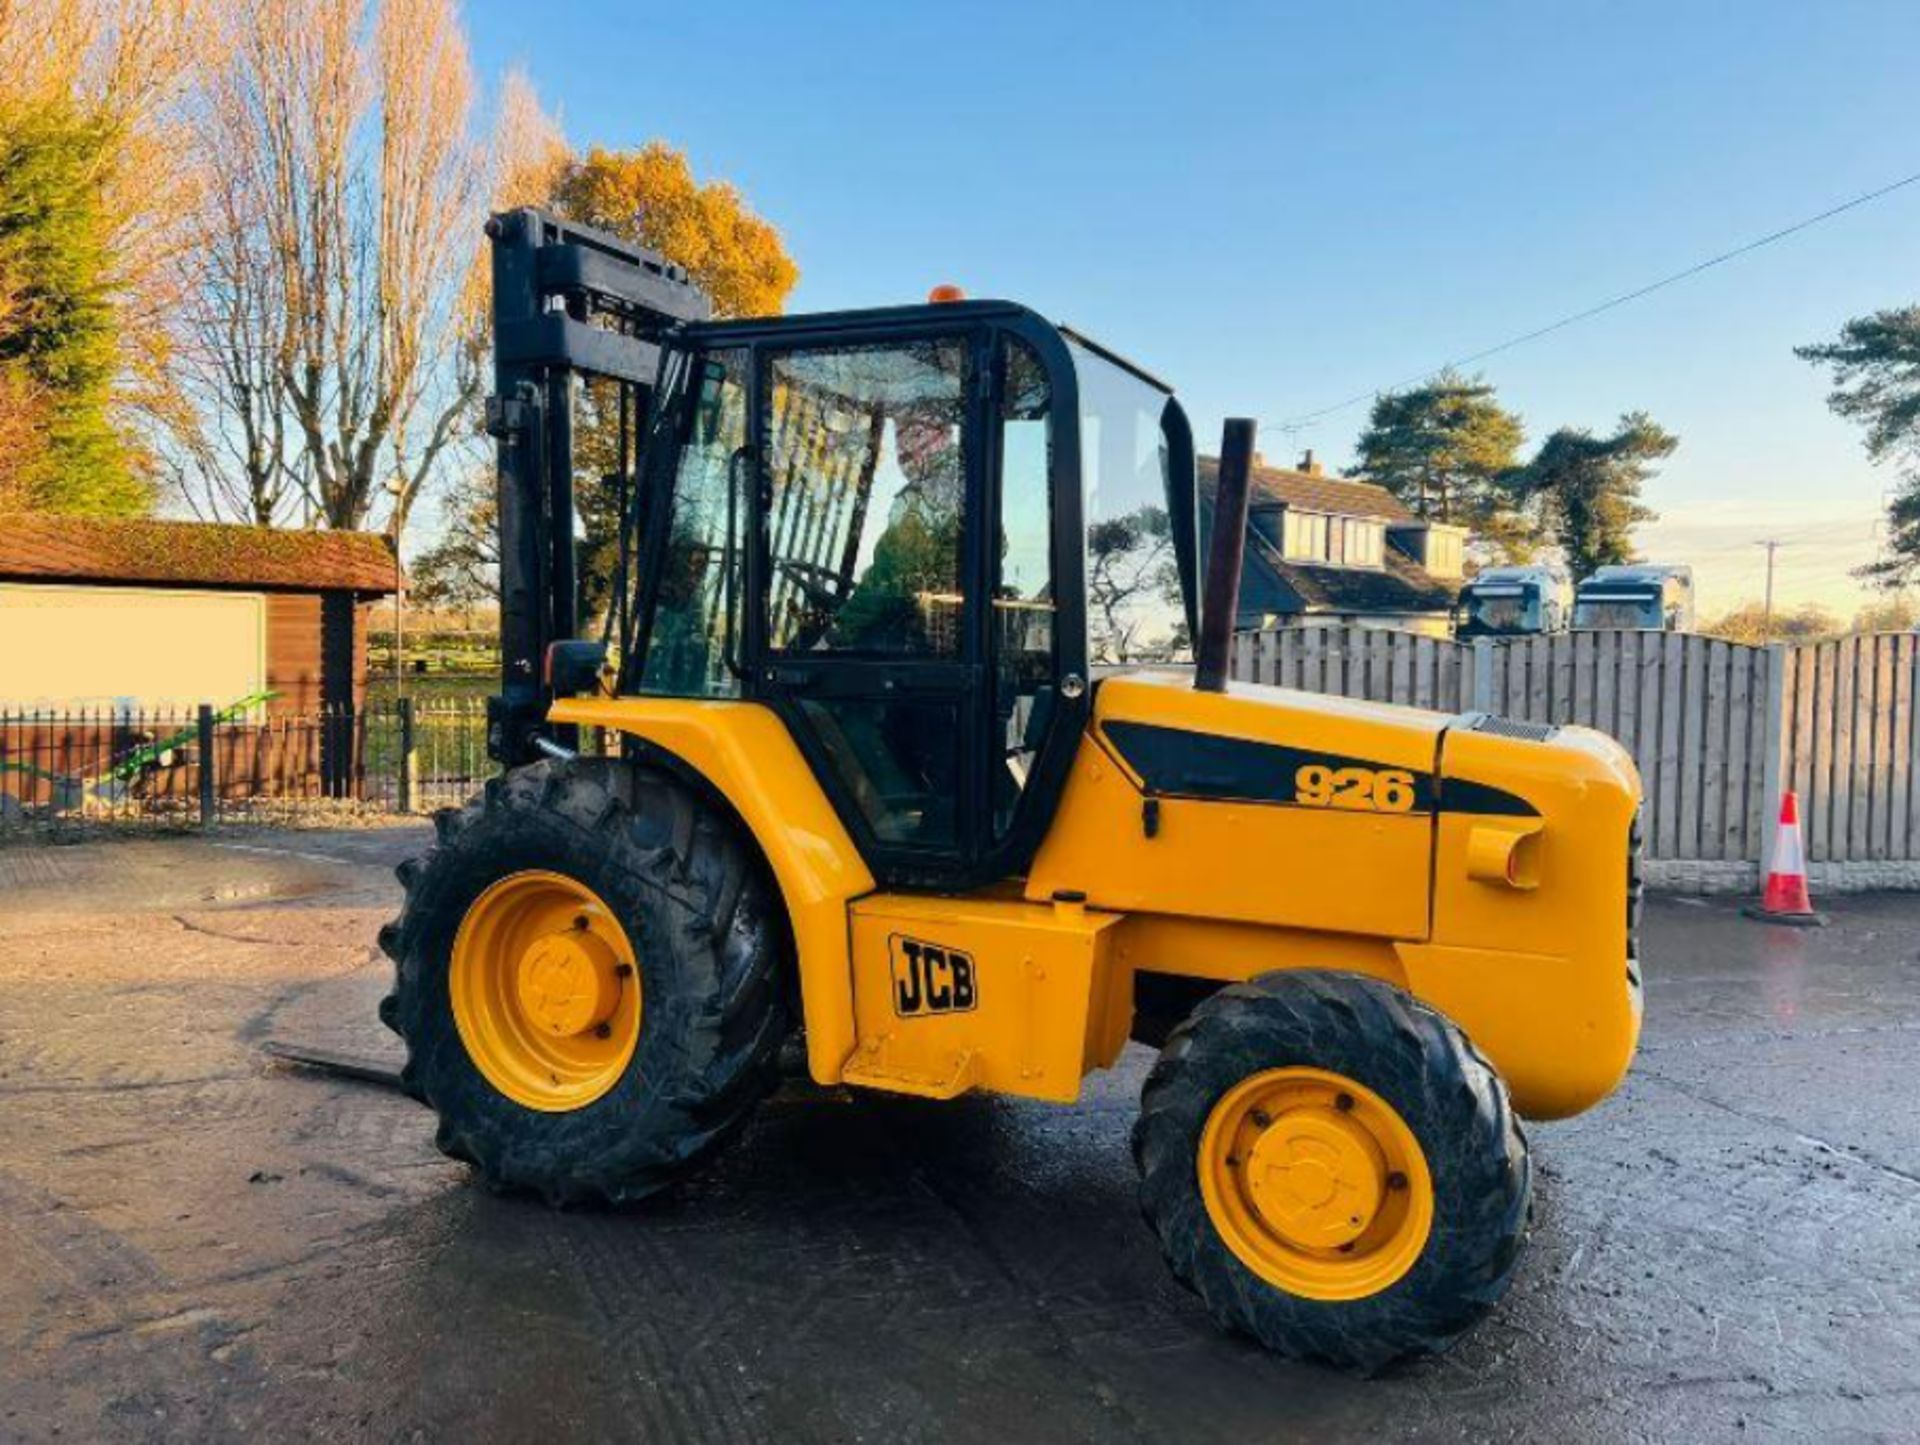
x,y
1295,422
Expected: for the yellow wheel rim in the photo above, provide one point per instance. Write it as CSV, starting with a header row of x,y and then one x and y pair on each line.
x,y
546,991
1316,1183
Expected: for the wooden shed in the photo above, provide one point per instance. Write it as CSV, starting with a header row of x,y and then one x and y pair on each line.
x,y
163,615
111,631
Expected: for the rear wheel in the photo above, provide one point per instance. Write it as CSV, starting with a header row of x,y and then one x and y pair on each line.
x,y
589,969
1333,1168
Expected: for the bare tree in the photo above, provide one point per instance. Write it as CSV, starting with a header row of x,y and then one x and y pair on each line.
x,y
296,189
235,453
340,303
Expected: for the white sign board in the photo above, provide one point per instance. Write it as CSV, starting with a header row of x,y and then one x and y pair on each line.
x,y
67,648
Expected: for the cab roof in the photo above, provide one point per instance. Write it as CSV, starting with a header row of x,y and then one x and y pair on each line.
x,y
920,316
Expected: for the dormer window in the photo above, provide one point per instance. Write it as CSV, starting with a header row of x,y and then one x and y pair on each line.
x,y
1326,540
1306,536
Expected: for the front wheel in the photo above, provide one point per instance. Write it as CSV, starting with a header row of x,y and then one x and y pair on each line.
x,y
1333,1168
590,975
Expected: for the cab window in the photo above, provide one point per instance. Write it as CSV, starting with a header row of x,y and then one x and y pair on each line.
x,y
1024,599
693,646
868,469
1136,610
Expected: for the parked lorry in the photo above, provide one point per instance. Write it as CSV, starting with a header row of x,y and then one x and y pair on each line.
x,y
1636,597
1515,602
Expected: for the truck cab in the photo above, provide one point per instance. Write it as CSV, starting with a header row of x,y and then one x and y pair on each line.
x,y
1515,602
1636,597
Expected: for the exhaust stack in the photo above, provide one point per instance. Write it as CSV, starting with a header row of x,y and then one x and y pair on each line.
x,y
1220,603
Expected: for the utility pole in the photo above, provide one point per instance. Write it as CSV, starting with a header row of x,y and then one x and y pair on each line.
x,y
1772,544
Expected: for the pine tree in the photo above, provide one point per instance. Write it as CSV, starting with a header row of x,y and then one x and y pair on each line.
x,y
1586,489
58,327
1876,373
1442,448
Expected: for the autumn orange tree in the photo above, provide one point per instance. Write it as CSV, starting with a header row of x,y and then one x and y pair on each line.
x,y
651,197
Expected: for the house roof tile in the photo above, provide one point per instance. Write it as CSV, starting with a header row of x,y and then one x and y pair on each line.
x,y
1400,586
1313,492
1270,584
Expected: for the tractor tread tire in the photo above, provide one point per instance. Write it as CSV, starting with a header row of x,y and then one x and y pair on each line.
x,y
711,939
1422,1064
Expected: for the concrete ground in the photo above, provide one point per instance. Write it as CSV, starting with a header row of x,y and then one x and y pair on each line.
x,y
197,1245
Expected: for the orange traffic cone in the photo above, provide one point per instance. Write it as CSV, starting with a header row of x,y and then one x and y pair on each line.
x,y
1785,898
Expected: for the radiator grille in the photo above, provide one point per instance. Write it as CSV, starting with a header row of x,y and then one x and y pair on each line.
x,y
1508,727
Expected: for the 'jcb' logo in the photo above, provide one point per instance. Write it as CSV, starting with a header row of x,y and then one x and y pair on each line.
x,y
930,979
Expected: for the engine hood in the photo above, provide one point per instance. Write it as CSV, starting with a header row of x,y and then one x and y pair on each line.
x,y
1217,744
1260,744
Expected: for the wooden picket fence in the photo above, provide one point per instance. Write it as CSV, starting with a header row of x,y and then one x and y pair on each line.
x,y
1716,728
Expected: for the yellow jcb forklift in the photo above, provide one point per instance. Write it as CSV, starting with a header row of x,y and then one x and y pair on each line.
x,y
912,765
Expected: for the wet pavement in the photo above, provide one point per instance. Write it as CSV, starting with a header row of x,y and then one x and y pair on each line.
x,y
198,1245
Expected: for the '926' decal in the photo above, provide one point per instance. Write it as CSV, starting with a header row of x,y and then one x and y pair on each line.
x,y
1360,790
930,978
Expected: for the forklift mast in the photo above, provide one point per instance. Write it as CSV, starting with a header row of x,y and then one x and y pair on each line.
x,y
568,302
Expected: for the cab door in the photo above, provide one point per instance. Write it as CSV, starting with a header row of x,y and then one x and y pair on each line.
x,y
907,560
872,476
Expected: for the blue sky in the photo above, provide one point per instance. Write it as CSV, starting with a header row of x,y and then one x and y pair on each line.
x,y
1278,206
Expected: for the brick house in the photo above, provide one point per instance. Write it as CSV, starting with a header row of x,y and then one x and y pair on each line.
x,y
1327,550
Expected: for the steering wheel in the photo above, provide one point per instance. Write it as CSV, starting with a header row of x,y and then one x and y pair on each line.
x,y
820,584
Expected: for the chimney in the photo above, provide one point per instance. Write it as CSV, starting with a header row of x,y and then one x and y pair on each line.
x,y
1310,466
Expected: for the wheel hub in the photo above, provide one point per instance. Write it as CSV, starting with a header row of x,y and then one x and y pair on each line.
x,y
566,982
546,991
1315,1178
1315,1182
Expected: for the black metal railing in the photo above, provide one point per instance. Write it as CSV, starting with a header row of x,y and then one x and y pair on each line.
x,y
246,762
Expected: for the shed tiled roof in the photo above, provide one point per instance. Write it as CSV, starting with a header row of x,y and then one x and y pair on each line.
x,y
75,549
1313,492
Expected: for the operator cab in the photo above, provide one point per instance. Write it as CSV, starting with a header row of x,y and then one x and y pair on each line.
x,y
915,533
